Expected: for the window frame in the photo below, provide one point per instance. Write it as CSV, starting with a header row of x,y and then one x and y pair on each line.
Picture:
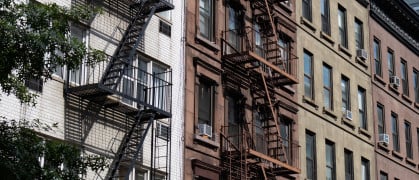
x,y
383,175
325,16
211,85
365,163
211,20
358,27
328,69
382,120
309,76
404,73
330,144
390,63
165,28
314,161
416,84
362,101
395,132
347,81
307,5
349,164
343,26
408,138
377,60
160,133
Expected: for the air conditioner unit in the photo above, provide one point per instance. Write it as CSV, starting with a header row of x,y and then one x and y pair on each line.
x,y
348,114
395,81
383,138
205,130
362,54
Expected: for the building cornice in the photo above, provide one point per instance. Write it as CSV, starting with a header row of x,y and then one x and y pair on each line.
x,y
382,18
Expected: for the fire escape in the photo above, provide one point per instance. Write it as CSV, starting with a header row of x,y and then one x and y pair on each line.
x,y
149,101
263,66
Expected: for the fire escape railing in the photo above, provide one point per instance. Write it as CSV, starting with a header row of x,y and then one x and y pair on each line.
x,y
249,40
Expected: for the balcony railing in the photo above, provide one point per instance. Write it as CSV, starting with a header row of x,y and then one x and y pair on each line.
x,y
137,86
249,46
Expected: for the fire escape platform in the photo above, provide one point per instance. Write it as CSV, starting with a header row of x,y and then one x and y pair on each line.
x,y
99,95
285,168
248,60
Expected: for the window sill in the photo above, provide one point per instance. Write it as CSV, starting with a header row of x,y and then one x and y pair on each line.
x,y
345,50
364,132
397,154
379,79
287,8
288,89
329,113
383,147
407,99
310,102
364,3
410,161
361,62
206,141
417,105
327,38
307,23
348,122
393,89
205,42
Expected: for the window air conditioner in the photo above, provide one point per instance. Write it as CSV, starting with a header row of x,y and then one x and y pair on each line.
x,y
362,54
348,114
205,130
395,81
383,138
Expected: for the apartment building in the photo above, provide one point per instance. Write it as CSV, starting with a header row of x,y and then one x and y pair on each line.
x,y
121,108
240,113
394,47
335,124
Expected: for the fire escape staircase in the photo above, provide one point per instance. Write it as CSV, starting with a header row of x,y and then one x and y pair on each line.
x,y
267,71
144,116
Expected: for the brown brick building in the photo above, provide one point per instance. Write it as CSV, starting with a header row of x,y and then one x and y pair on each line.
x,y
240,113
394,41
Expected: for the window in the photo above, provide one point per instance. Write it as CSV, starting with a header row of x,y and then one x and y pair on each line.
x,y
416,84
35,84
380,117
81,34
324,9
308,75
377,56
359,34
390,63
330,160
285,48
349,166
232,118
286,134
311,155
408,136
405,81
342,27
362,108
327,87
307,9
383,176
163,131
259,48
165,28
346,105
206,19
259,125
365,169
234,25
395,132
205,103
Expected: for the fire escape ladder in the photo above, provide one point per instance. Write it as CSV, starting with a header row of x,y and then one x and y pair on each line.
x,y
127,48
131,144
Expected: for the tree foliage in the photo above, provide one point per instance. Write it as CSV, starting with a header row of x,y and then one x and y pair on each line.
x,y
25,155
31,35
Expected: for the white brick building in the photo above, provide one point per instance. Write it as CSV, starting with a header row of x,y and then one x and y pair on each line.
x,y
99,127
